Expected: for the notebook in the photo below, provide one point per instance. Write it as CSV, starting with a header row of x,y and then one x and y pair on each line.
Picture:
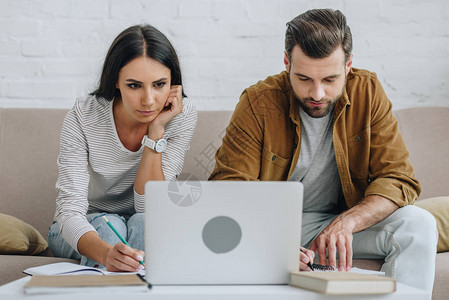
x,y
66,268
343,283
222,232
54,284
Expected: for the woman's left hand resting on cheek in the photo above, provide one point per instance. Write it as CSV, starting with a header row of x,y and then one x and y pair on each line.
x,y
173,106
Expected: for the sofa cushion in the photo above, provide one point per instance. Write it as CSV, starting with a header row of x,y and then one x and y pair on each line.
x,y
439,208
18,237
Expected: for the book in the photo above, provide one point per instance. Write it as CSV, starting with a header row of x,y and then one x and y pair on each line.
x,y
343,283
66,268
57,284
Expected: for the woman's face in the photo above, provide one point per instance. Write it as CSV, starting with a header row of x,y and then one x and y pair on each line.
x,y
144,85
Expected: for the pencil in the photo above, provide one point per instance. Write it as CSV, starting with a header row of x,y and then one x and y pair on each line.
x,y
118,234
308,264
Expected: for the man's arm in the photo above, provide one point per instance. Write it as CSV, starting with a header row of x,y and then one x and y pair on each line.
x,y
240,154
338,235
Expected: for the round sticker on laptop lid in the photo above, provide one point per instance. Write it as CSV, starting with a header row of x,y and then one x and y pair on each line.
x,y
222,234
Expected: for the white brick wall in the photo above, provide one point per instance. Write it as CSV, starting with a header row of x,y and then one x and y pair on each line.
x,y
51,51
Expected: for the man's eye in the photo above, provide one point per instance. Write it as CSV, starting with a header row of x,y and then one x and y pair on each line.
x,y
160,84
134,85
329,80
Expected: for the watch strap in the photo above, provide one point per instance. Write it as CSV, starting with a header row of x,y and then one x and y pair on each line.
x,y
146,141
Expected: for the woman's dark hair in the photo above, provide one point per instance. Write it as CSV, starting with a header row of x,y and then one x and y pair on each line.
x,y
319,32
133,42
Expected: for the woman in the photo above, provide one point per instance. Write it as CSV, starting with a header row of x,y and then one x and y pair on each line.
x,y
134,128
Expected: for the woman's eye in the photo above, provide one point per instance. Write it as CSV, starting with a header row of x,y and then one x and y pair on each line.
x,y
134,85
160,84
303,79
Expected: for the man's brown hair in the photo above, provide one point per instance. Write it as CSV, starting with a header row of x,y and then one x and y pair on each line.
x,y
319,32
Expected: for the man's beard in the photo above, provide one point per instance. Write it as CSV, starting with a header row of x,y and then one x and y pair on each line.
x,y
316,112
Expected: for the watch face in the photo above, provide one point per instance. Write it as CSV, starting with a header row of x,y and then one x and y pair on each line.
x,y
160,145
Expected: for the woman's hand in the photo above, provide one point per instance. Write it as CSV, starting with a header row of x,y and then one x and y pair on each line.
x,y
121,257
173,106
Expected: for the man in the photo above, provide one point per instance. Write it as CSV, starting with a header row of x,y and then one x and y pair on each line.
x,y
331,127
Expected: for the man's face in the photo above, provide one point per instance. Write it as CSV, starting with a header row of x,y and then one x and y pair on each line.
x,y
317,83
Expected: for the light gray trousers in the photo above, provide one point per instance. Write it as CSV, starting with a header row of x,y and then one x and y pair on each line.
x,y
406,240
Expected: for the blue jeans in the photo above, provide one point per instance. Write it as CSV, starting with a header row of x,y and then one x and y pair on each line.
x,y
132,231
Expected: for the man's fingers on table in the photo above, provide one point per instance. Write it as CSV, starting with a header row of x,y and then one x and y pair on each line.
x,y
332,252
322,251
349,255
341,255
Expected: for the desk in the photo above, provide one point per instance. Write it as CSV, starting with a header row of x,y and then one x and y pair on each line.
x,y
14,290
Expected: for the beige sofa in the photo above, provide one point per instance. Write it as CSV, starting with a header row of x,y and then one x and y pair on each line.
x,y
29,141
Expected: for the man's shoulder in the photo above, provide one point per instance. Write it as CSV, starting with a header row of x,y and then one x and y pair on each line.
x,y
272,84
271,94
360,76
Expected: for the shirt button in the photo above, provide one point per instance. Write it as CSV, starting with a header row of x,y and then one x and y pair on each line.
x,y
274,157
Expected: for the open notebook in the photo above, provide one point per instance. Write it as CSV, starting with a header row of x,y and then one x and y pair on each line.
x,y
66,268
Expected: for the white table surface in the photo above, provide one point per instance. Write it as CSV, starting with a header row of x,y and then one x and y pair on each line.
x,y
14,290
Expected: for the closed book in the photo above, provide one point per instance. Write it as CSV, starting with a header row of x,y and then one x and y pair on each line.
x,y
62,284
343,283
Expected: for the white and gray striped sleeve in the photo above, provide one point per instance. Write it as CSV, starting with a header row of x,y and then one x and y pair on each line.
x,y
179,135
73,180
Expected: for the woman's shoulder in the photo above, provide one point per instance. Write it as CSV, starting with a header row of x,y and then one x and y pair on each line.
x,y
188,107
185,120
189,111
90,107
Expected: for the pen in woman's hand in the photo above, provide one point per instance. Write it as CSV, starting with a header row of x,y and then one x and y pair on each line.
x,y
119,236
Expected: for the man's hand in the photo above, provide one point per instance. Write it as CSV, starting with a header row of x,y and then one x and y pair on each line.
x,y
336,236
121,257
305,256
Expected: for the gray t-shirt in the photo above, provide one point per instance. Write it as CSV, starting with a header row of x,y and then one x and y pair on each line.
x,y
316,167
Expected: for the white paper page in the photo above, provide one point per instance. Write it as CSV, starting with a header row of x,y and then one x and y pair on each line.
x,y
365,271
357,270
66,268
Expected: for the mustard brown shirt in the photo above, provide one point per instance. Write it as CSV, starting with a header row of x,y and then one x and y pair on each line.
x,y
263,139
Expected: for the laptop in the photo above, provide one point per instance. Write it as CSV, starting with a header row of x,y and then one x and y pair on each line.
x,y
222,232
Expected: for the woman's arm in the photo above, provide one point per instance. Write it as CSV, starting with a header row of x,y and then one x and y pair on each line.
x,y
150,167
173,157
72,200
73,179
119,257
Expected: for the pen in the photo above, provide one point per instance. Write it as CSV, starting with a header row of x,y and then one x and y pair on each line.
x,y
308,264
118,234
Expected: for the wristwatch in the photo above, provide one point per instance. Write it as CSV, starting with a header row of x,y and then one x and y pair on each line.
x,y
158,146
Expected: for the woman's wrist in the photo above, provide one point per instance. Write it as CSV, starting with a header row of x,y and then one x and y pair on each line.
x,y
155,133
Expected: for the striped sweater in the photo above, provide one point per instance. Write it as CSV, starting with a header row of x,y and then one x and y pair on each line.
x,y
96,172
